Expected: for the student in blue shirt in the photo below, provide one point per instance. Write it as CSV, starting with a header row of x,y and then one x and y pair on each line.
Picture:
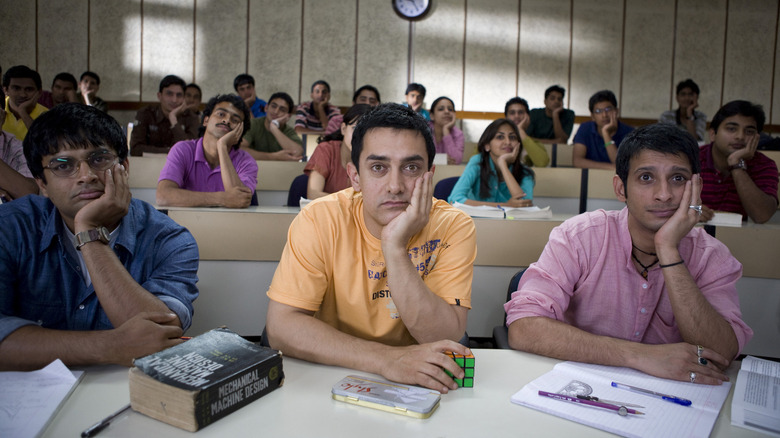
x,y
496,176
88,274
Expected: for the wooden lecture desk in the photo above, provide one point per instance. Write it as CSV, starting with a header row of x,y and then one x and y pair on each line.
x,y
303,407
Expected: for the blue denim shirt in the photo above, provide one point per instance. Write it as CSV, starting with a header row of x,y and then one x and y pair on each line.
x,y
41,283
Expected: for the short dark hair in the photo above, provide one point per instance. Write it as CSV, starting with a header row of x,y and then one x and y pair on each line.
x,y
320,82
742,108
414,86
195,86
555,88
172,80
602,96
71,126
67,77
21,72
439,99
91,74
286,98
369,88
242,79
354,113
519,171
396,117
688,83
515,101
658,137
233,100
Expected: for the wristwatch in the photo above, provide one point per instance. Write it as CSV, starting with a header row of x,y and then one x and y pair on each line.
x,y
740,165
275,123
84,237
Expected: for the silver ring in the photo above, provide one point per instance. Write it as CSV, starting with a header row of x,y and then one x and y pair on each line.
x,y
699,350
693,377
696,208
702,361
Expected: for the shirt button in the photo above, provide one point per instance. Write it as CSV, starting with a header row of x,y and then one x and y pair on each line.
x,y
636,334
81,307
644,286
642,310
40,322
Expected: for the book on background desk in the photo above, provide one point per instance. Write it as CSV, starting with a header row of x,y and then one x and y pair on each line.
x,y
30,399
756,402
505,212
661,418
204,379
724,219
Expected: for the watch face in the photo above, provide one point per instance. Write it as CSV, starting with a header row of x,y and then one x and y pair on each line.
x,y
411,9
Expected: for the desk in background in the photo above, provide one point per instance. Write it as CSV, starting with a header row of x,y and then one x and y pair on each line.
x,y
303,407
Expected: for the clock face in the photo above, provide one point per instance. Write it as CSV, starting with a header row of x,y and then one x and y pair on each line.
x,y
411,9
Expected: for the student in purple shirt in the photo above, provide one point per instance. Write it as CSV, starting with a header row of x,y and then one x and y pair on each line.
x,y
211,171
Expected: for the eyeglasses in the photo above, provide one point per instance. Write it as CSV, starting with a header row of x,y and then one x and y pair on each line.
x,y
607,110
69,166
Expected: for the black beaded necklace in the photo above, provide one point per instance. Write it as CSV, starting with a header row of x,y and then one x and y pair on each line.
x,y
644,267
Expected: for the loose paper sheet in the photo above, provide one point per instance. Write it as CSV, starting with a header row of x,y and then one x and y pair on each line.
x,y
662,418
29,400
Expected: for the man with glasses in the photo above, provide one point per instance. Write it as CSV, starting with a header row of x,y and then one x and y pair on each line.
x,y
211,171
87,274
596,142
269,137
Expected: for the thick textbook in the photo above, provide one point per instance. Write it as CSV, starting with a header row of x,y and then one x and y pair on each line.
x,y
756,402
204,379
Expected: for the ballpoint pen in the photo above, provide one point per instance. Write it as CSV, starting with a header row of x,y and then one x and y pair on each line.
x,y
621,410
669,398
102,424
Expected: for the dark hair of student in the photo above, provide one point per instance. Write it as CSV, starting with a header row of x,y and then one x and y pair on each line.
x,y
195,86
21,72
172,80
242,79
71,126
515,101
415,87
602,96
741,108
233,100
320,82
286,98
352,116
67,77
688,83
369,88
556,88
519,171
396,117
439,99
91,74
658,137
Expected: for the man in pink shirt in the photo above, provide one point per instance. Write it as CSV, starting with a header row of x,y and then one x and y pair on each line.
x,y
640,287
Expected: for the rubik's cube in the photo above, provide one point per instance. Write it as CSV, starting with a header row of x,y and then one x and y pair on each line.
x,y
467,363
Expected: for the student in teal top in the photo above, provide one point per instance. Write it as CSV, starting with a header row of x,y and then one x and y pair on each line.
x,y
496,176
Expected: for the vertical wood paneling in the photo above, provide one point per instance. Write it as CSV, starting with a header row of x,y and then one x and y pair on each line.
x,y
275,46
329,48
17,24
597,45
220,45
491,57
749,45
647,58
438,52
66,47
699,50
115,45
545,37
383,40
167,43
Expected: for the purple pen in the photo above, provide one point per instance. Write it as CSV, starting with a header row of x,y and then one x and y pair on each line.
x,y
621,410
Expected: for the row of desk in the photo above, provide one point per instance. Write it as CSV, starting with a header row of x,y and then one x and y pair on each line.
x,y
303,407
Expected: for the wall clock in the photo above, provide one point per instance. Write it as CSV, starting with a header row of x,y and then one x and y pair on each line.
x,y
411,9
